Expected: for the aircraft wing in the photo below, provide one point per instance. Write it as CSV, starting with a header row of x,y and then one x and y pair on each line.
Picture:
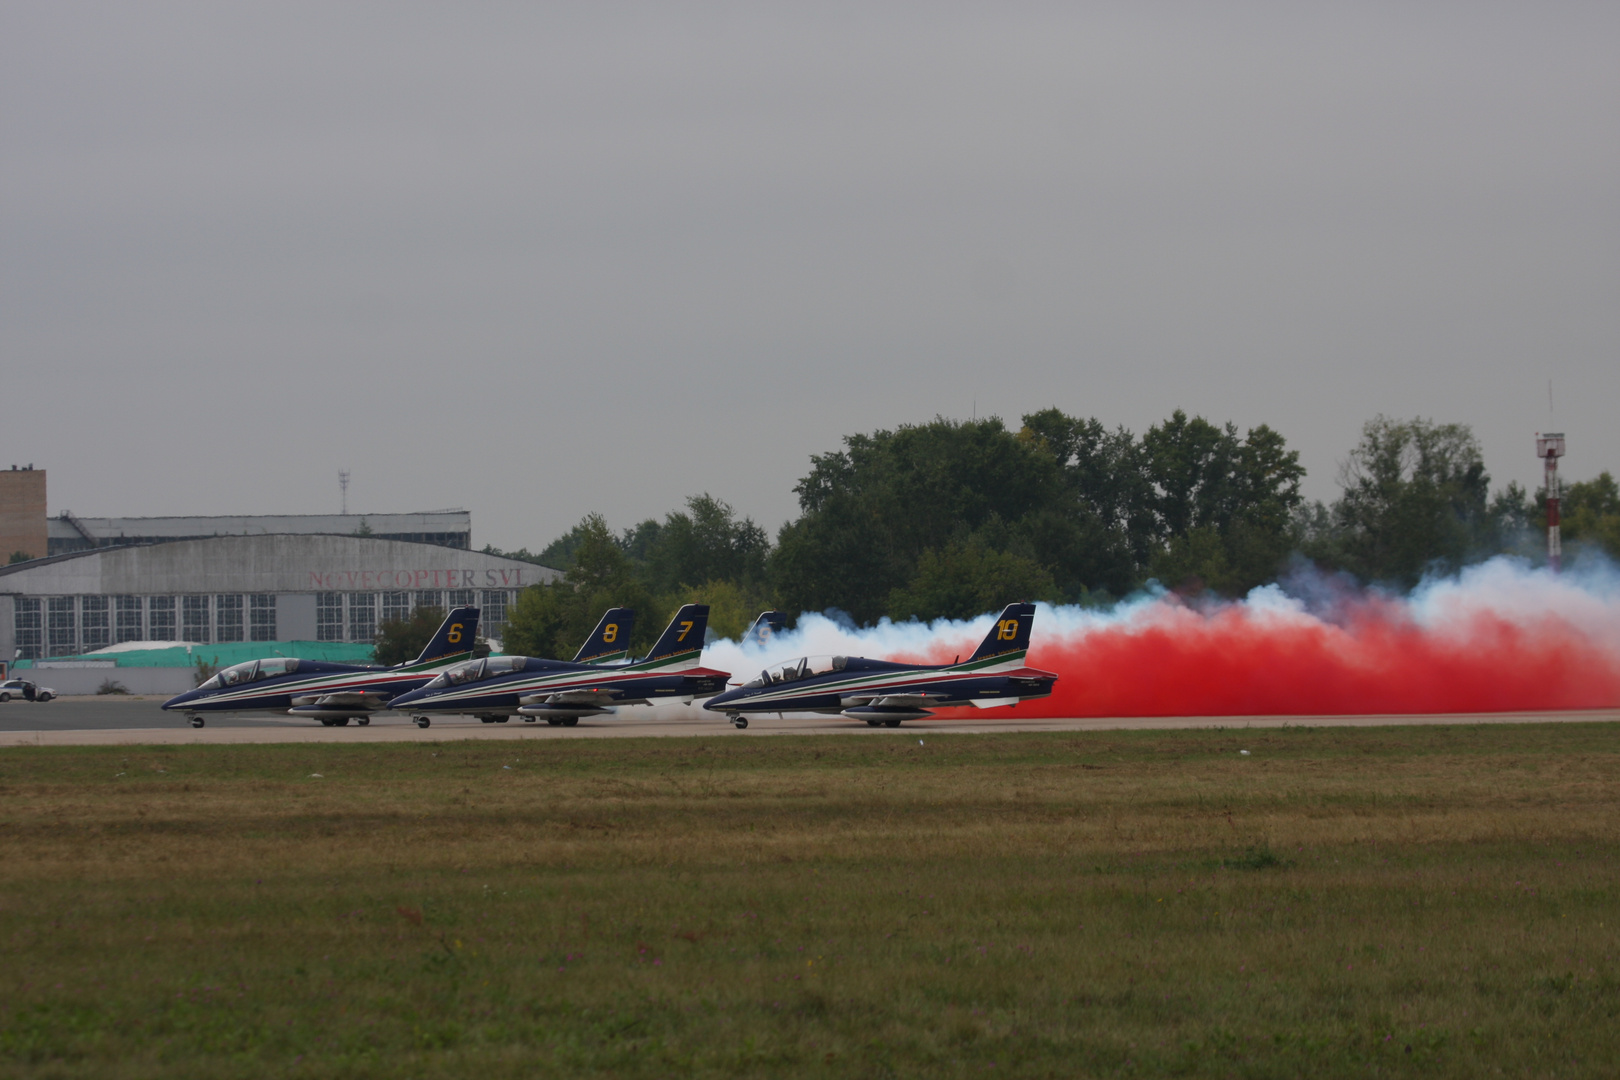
x,y
572,697
892,701
357,699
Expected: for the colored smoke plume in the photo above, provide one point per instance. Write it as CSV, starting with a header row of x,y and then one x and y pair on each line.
x,y
1498,637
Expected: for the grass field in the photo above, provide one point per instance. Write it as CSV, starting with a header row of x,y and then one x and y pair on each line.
x,y
1436,901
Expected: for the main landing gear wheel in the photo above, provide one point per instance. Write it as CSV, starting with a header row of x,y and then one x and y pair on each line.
x,y
740,723
422,721
570,721
364,721
891,723
554,721
195,721
874,723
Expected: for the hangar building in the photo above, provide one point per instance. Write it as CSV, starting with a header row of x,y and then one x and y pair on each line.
x,y
275,587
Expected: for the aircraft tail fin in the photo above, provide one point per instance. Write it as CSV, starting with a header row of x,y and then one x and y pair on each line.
x,y
611,638
1008,639
454,636
681,643
767,626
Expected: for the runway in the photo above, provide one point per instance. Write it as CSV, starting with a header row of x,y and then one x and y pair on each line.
x,y
139,721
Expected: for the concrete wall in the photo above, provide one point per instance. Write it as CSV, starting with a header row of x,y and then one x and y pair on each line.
x,y
22,513
137,680
295,616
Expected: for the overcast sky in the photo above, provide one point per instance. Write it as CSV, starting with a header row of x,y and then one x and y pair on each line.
x,y
538,260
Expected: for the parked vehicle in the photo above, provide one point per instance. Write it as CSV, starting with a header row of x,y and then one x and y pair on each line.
x,y
26,690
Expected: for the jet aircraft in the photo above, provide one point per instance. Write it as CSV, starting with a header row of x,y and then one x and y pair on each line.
x,y
885,693
561,692
609,643
322,690
765,627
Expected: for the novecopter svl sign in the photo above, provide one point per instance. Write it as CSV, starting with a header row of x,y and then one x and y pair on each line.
x,y
365,580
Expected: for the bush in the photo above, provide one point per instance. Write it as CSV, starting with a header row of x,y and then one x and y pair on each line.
x,y
112,686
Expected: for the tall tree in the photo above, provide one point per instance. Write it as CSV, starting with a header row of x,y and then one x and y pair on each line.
x,y
1415,499
552,620
1590,511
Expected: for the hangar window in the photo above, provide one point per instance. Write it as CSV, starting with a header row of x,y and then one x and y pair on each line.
x,y
127,619
396,606
493,616
329,616
463,597
362,616
61,637
95,631
262,617
228,617
160,618
194,619
25,622
431,598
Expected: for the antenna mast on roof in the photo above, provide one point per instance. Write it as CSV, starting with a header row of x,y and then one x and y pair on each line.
x,y
343,483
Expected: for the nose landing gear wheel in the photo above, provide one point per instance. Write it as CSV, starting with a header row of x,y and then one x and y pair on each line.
x,y
364,721
570,721
874,723
422,721
740,723
195,721
554,721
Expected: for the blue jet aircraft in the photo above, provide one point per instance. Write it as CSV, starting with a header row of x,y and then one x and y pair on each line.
x,y
560,692
766,626
322,690
885,693
609,643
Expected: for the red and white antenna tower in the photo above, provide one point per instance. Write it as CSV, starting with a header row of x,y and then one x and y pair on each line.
x,y
1549,448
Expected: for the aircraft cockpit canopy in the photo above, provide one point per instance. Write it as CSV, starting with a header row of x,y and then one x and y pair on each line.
x,y
251,671
802,668
477,670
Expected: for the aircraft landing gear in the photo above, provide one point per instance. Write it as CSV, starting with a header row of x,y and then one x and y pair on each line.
x,y
528,719
874,723
740,722
364,721
554,721
195,721
891,723
570,721
422,721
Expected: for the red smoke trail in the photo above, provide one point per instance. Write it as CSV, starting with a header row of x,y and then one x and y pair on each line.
x,y
1171,660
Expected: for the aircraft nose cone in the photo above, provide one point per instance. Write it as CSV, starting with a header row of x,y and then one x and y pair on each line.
x,y
179,699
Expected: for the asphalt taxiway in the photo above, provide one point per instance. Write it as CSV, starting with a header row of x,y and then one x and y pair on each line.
x,y
139,721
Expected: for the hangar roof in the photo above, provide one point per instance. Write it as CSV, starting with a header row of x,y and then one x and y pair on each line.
x,y
282,563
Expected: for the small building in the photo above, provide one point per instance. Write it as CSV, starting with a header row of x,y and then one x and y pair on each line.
x,y
22,513
246,588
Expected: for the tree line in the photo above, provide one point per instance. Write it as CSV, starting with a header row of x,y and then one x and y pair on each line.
x,y
956,517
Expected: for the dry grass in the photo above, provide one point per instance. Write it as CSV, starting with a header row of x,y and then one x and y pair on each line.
x,y
1339,901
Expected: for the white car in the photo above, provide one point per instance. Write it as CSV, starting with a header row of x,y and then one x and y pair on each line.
x,y
22,688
